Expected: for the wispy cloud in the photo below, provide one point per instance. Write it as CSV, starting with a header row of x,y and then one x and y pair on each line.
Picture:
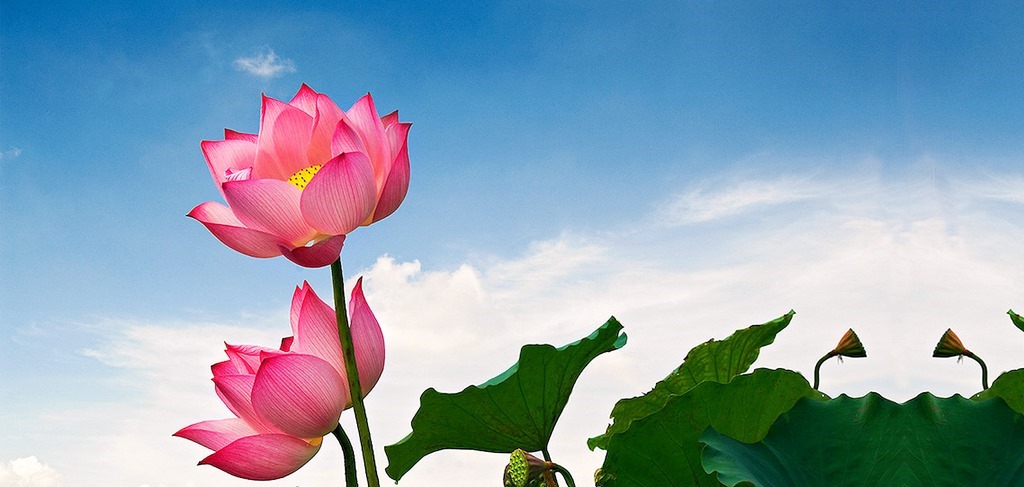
x,y
10,153
1008,189
29,472
715,200
265,64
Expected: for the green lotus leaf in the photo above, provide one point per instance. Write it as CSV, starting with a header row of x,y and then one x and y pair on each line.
x,y
1018,321
714,360
1009,386
663,449
517,409
870,440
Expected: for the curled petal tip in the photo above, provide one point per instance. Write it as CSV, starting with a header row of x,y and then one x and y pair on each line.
x,y
320,254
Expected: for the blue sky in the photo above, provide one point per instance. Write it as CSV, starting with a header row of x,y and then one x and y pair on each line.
x,y
693,167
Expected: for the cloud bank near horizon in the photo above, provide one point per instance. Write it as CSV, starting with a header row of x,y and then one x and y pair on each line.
x,y
898,261
29,472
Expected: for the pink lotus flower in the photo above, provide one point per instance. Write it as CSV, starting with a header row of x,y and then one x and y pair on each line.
x,y
313,174
286,400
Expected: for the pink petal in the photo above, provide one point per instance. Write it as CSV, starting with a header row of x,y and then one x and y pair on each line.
x,y
270,206
346,139
238,364
263,457
234,135
216,434
300,394
389,119
320,254
235,391
363,118
286,344
226,156
396,186
233,175
305,99
298,296
316,332
284,137
246,358
225,368
367,339
324,124
270,352
341,195
224,225
398,135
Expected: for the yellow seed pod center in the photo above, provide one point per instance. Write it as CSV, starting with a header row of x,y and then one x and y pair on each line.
x,y
302,177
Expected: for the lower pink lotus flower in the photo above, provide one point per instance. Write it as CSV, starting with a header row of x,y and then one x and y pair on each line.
x,y
286,400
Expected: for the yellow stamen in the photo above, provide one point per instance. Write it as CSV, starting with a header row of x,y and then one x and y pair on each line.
x,y
301,178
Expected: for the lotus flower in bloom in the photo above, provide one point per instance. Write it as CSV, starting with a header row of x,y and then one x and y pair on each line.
x,y
313,174
285,400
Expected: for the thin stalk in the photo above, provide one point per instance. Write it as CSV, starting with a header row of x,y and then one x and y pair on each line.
x,y
354,388
565,474
351,479
984,369
547,456
817,367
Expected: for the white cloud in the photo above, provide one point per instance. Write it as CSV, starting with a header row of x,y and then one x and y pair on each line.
x,y
899,261
1003,188
265,64
714,200
29,472
10,153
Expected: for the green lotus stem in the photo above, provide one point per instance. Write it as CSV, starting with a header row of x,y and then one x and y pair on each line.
x,y
565,474
355,390
984,369
817,367
351,480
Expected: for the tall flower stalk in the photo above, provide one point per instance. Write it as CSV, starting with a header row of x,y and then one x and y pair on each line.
x,y
354,387
349,456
